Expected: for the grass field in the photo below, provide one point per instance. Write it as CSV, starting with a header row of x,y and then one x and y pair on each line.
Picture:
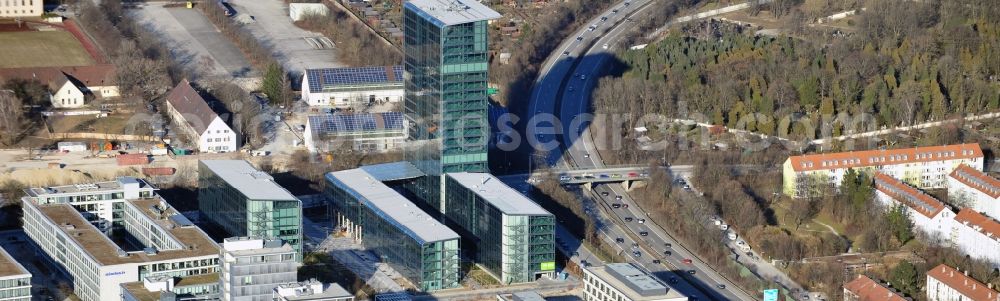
x,y
41,49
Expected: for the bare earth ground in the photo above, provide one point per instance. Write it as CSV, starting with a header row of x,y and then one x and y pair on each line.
x,y
114,124
41,49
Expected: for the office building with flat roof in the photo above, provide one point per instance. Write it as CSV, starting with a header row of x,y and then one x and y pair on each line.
x,y
503,231
102,202
155,240
15,280
352,86
166,288
445,52
251,268
311,290
625,282
244,201
410,241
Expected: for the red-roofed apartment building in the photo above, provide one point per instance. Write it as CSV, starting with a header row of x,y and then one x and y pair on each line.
x,y
968,187
866,289
923,167
927,213
976,235
945,283
192,116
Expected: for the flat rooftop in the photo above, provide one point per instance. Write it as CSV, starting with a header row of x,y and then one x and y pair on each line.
x,y
392,171
139,291
319,79
634,283
330,291
253,183
87,187
105,251
452,12
491,189
9,266
392,206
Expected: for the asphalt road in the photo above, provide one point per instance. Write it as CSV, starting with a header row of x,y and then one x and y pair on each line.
x,y
568,75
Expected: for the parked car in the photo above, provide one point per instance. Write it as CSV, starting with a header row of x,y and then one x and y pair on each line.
x,y
643,233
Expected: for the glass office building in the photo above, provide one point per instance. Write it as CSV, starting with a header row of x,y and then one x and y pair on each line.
x,y
407,239
504,231
243,201
445,80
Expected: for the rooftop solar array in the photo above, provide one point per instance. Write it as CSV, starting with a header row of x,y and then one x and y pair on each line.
x,y
331,77
352,123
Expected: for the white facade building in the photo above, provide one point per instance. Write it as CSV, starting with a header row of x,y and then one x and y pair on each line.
x,y
251,268
347,87
160,241
15,280
367,132
976,235
971,188
72,146
922,167
311,290
927,213
20,8
625,282
945,283
66,95
191,115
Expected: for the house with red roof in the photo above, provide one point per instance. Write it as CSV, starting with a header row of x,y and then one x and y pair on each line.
x,y
968,187
928,215
945,283
976,235
192,116
69,87
866,289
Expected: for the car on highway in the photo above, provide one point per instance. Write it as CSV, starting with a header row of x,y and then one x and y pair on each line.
x,y
642,221
616,205
618,197
686,260
627,3
604,176
571,88
583,77
586,155
564,178
565,52
614,11
605,46
616,176
605,193
592,27
604,19
635,246
580,38
691,272
721,286
687,187
643,233
628,219
656,261
633,174
620,240
636,253
667,253
668,245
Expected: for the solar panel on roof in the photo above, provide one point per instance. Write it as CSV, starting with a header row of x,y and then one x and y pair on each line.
x,y
320,78
346,123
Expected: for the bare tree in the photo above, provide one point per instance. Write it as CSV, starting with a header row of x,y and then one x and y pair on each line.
x,y
11,117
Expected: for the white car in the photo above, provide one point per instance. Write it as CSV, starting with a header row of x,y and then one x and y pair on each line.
x,y
605,45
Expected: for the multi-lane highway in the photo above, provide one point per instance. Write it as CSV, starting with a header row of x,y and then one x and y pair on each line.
x,y
563,88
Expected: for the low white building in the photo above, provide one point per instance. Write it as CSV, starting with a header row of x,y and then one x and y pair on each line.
x,y
922,167
72,146
367,132
298,11
311,290
976,235
927,213
968,187
20,8
945,283
192,116
15,280
625,282
347,87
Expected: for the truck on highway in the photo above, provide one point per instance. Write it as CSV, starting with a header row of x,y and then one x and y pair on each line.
x,y
732,235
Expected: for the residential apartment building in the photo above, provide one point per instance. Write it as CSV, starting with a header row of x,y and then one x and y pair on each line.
x,y
503,231
974,189
252,268
365,132
352,87
155,240
311,290
923,167
15,280
625,282
244,201
20,8
446,57
165,288
945,283
927,213
192,116
866,289
976,235
410,241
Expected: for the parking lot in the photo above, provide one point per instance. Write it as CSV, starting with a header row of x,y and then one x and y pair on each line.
x,y
195,42
296,48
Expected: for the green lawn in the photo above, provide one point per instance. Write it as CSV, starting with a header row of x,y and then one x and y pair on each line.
x,y
41,49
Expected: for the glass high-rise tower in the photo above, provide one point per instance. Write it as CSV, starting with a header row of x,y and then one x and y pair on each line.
x,y
445,73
